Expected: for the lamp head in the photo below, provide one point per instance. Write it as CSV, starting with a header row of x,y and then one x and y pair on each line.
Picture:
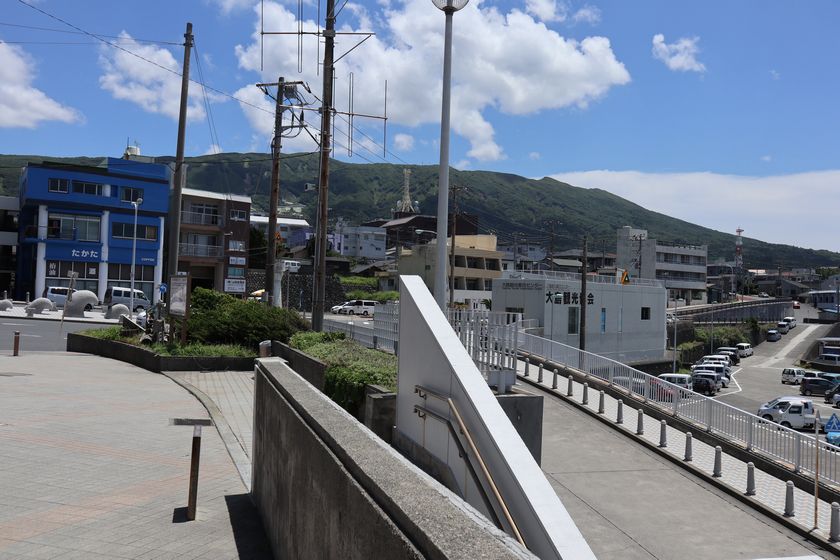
x,y
450,5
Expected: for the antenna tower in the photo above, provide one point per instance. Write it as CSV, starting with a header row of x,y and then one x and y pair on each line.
x,y
739,257
406,205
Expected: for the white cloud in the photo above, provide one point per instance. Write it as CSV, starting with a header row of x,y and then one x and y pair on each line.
x,y
259,111
21,105
534,155
461,165
587,14
404,142
487,73
153,88
767,158
724,202
229,6
775,74
213,150
681,55
546,10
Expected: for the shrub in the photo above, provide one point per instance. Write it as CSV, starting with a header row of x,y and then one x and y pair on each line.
x,y
721,336
351,366
305,340
363,283
203,350
222,319
109,333
380,297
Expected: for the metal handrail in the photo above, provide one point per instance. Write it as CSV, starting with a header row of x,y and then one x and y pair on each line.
x,y
201,218
198,250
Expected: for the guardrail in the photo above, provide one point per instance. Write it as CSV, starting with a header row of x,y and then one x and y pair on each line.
x,y
795,449
195,250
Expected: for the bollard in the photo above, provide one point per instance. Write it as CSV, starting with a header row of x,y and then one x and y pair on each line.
x,y
640,423
789,511
663,433
834,534
689,454
527,367
600,402
585,393
750,479
540,373
17,343
718,471
619,416
554,379
194,461
27,297
569,391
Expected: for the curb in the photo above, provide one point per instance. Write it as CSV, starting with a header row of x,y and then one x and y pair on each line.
x,y
696,471
66,320
234,448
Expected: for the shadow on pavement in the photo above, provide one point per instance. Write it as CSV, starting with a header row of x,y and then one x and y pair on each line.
x,y
251,541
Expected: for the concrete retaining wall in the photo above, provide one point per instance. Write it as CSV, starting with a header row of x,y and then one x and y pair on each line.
x,y
326,487
306,366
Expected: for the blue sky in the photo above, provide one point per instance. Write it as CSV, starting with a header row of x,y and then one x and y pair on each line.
x,y
720,113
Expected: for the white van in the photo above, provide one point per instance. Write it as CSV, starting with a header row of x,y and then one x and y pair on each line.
x,y
744,349
791,322
793,375
782,327
681,380
357,307
57,295
115,294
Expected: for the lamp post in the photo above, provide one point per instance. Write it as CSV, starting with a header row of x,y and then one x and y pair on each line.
x,y
448,7
136,204
673,323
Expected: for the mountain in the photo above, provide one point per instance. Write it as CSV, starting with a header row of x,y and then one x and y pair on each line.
x,y
505,204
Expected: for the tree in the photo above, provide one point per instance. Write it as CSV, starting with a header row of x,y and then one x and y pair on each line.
x,y
258,248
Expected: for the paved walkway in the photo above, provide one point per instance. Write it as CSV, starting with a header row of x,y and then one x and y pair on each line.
x,y
95,316
92,468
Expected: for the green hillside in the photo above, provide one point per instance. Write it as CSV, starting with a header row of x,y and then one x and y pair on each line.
x,y
505,203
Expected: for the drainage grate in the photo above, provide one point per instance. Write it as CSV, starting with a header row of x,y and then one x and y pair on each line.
x,y
13,374
190,422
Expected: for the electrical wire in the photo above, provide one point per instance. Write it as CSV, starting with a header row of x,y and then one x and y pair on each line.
x,y
7,24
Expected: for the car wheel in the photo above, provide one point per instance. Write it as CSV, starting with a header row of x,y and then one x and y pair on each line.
x,y
807,393
351,312
768,417
786,424
88,307
365,313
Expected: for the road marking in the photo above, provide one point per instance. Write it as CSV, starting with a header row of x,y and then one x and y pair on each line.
x,y
13,324
31,335
732,378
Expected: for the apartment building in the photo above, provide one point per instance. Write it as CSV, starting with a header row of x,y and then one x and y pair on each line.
x,y
9,210
681,267
362,242
213,240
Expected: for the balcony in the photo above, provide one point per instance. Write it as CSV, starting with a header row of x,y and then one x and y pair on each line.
x,y
195,250
202,219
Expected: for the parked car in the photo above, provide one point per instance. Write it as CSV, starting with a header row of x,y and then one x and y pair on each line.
x,y
773,335
790,412
335,308
711,376
681,380
833,377
764,295
732,354
718,369
116,294
833,396
791,322
704,386
816,386
796,305
782,327
830,358
793,375
745,349
357,307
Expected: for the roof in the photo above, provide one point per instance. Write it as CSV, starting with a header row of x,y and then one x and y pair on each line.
x,y
566,262
215,195
297,222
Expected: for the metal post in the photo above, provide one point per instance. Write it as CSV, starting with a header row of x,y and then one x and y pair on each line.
x,y
640,422
569,391
718,469
689,454
674,325
194,462
834,534
540,373
663,433
274,198
750,428
797,452
17,343
817,422
554,379
750,479
27,297
527,367
789,509
619,417
136,204
585,393
600,402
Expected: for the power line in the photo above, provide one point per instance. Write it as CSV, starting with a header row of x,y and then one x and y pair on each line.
x,y
7,24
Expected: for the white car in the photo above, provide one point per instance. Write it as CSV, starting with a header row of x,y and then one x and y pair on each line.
x,y
793,375
791,322
335,308
744,349
790,412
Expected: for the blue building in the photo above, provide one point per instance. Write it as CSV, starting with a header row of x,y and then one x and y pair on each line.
x,y
81,219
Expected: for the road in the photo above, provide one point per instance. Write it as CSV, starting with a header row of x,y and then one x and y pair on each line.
x,y
37,335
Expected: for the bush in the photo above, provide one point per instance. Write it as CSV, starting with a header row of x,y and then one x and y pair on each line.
x,y
380,297
363,283
222,319
303,341
110,333
721,336
351,366
204,350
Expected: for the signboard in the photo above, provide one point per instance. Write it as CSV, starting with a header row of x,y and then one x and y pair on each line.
x,y
625,278
833,424
82,252
237,261
235,285
179,289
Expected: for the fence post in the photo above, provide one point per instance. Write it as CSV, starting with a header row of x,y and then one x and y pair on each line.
x,y
585,393
619,417
676,403
600,402
527,366
554,375
718,470
750,427
540,373
17,344
797,453
194,462
708,415
750,479
640,423
569,391
663,433
689,455
789,510
834,534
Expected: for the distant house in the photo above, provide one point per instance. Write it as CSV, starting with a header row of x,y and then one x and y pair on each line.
x,y
361,242
293,231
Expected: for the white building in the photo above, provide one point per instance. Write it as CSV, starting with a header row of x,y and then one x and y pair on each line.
x,y
625,322
293,231
362,242
682,268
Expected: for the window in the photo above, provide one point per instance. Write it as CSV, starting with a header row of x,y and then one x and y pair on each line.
x,y
83,187
645,313
59,185
574,320
130,194
236,245
236,272
68,226
238,215
126,231
603,320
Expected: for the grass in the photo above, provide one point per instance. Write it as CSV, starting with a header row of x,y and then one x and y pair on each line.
x,y
195,349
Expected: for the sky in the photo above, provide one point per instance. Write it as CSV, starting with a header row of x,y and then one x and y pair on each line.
x,y
723,114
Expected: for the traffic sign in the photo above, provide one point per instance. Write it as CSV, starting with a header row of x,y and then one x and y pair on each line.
x,y
625,278
163,287
833,424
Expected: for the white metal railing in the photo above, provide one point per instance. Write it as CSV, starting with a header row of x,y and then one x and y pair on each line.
x,y
196,250
201,218
761,436
363,334
491,338
575,277
386,326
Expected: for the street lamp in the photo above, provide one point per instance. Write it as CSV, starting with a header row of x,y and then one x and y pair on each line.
x,y
448,7
673,323
136,204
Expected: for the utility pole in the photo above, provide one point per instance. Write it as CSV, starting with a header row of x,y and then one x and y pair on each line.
x,y
323,183
553,222
175,196
515,249
583,296
274,199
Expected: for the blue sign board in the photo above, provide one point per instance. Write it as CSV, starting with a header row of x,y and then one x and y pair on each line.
x,y
84,252
833,424
163,287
